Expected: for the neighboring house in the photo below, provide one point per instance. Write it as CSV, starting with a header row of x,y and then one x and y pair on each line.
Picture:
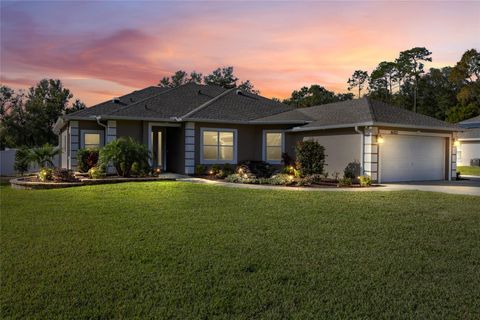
x,y
469,139
203,124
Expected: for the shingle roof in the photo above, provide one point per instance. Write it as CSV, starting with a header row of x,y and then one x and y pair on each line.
x,y
470,123
109,106
473,133
238,105
362,112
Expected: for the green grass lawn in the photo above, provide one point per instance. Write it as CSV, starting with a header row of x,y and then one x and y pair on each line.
x,y
471,171
186,251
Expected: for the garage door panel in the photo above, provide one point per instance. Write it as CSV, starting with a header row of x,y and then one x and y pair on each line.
x,y
412,158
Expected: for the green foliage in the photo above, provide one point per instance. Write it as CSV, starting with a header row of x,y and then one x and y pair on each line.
x,y
315,95
359,79
309,180
27,119
352,170
258,169
365,181
63,175
122,153
200,169
41,156
22,160
45,174
310,157
345,182
140,169
87,158
96,172
214,169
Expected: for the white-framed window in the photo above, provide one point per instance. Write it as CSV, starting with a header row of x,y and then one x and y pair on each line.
x,y
459,155
91,139
218,145
273,146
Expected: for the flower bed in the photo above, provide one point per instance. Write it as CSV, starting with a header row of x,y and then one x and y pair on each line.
x,y
32,182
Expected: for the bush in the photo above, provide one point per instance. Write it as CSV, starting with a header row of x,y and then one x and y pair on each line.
x,y
200,169
215,169
352,170
123,153
287,160
282,179
345,182
258,169
309,180
21,160
63,175
228,169
96,173
45,174
140,170
87,158
365,181
310,157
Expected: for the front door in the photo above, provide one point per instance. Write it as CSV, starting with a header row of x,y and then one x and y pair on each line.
x,y
158,147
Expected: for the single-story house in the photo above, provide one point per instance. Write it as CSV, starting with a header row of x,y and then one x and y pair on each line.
x,y
469,141
204,124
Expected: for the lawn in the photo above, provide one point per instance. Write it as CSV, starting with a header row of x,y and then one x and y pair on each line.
x,y
187,251
471,171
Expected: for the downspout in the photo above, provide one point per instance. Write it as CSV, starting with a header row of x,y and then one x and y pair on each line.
x,y
103,125
362,149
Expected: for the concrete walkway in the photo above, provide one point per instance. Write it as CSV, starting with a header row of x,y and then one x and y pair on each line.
x,y
466,187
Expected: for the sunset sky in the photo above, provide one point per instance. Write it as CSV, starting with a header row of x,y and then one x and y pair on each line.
x,y
105,49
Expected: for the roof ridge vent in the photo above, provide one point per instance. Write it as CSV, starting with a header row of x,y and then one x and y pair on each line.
x,y
239,92
116,100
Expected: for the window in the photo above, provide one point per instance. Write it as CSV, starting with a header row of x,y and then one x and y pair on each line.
x,y
459,155
273,146
92,139
218,146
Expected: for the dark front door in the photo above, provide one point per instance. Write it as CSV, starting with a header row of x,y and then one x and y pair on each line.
x,y
158,147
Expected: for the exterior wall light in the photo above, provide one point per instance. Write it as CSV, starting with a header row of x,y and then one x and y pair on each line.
x,y
380,139
456,143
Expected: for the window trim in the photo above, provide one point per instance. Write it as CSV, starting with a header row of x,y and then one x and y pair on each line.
x,y
264,145
82,135
218,161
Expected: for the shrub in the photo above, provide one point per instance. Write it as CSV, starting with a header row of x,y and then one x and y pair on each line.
x,y
310,157
282,179
96,173
140,170
45,174
309,180
215,169
258,169
287,160
345,182
200,169
87,158
123,153
228,169
63,175
365,181
352,170
21,160
41,156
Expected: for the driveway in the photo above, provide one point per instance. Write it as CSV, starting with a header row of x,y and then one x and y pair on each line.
x,y
470,186
467,187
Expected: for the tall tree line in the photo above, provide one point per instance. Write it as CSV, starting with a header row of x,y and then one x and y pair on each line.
x,y
449,93
27,119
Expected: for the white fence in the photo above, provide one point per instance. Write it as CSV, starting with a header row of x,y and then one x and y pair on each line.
x,y
7,161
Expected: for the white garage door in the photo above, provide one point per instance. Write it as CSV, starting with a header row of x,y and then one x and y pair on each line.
x,y
412,158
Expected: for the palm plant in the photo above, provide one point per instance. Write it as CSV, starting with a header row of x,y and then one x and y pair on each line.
x,y
123,153
41,156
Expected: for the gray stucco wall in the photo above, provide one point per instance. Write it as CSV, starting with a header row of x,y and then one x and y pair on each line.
x,y
468,150
132,129
341,146
249,139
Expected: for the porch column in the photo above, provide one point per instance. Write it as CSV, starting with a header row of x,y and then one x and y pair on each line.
x,y
111,134
189,148
453,159
74,139
371,152
111,131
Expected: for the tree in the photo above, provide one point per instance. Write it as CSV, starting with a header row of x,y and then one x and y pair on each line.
x,y
315,95
466,74
382,79
411,61
358,79
248,87
41,156
195,77
28,119
222,77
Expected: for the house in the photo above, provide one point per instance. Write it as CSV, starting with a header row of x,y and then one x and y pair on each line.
x,y
204,124
469,142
